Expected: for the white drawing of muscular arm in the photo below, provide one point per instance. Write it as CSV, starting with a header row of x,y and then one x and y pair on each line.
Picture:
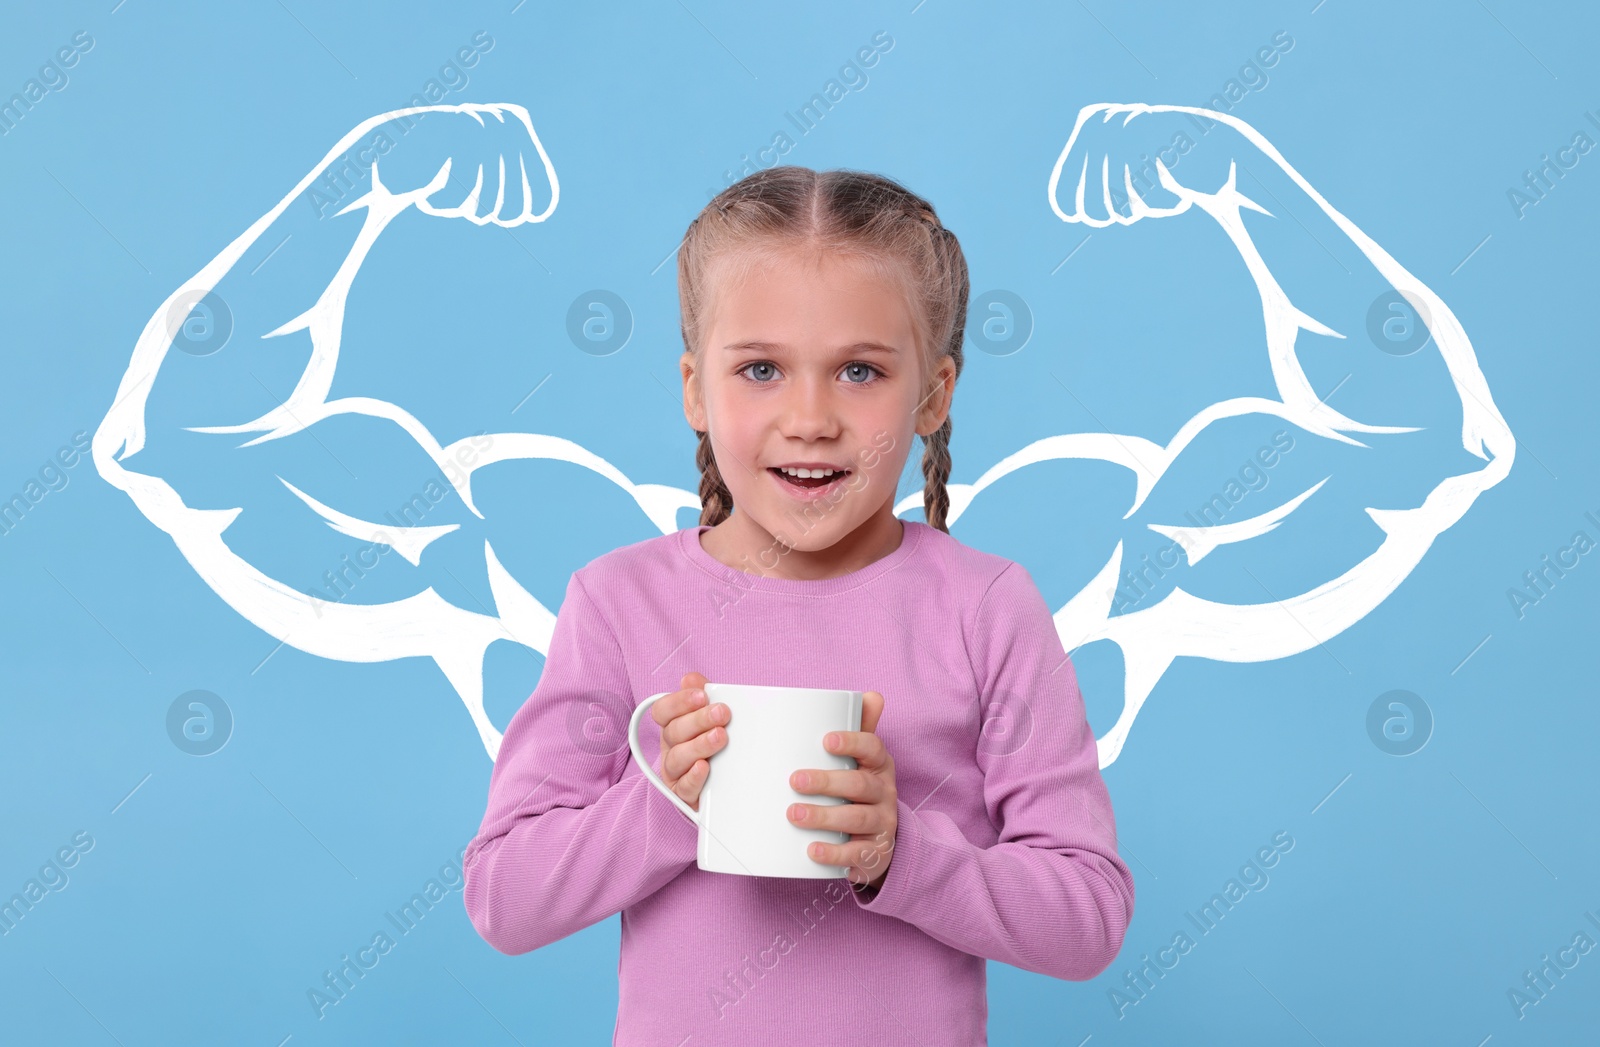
x,y
507,162
1093,184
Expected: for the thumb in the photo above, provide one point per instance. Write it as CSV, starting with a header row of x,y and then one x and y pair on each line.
x,y
692,681
871,709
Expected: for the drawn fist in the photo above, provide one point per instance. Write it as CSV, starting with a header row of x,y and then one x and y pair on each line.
x,y
483,163
1126,162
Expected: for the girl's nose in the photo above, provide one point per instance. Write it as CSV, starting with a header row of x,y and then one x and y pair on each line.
x,y
810,411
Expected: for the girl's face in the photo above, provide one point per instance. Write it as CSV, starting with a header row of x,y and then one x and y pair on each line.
x,y
811,362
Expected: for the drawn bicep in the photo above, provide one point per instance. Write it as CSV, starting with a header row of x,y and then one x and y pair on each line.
x,y
1256,509
1060,518
350,507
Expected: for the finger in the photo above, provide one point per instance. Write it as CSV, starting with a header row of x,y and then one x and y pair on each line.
x,y
680,702
867,855
526,189
438,181
857,819
1105,186
1153,207
474,200
467,207
1137,208
689,785
702,746
676,704
868,749
513,203
857,786
695,722
1083,181
871,709
500,189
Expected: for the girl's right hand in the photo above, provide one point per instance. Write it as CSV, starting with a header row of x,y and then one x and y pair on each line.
x,y
691,732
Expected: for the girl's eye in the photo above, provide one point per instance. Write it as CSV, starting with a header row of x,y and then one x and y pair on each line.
x,y
763,371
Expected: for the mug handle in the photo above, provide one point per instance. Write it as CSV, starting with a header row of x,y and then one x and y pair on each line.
x,y
644,765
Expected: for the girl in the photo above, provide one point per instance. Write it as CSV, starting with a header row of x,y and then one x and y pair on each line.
x,y
822,325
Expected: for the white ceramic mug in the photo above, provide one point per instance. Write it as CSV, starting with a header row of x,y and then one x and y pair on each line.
x,y
743,817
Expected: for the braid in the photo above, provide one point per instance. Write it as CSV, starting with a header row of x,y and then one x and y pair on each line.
x,y
936,467
716,501
936,445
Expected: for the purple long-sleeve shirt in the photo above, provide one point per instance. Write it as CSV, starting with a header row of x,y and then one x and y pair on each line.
x,y
1006,847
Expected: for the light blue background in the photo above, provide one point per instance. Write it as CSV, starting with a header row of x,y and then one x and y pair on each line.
x,y
216,895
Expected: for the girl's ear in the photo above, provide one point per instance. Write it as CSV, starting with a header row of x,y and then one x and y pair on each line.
x,y
936,407
693,407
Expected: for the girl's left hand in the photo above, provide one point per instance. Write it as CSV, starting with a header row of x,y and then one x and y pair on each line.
x,y
871,817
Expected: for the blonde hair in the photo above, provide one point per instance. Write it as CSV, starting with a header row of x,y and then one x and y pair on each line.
x,y
867,216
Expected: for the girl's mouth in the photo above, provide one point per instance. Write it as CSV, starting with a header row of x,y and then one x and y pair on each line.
x,y
811,486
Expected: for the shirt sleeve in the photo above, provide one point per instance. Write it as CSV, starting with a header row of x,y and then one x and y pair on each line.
x,y
1052,895
573,832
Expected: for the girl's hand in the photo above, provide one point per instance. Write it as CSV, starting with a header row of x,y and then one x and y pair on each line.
x,y
691,731
871,819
